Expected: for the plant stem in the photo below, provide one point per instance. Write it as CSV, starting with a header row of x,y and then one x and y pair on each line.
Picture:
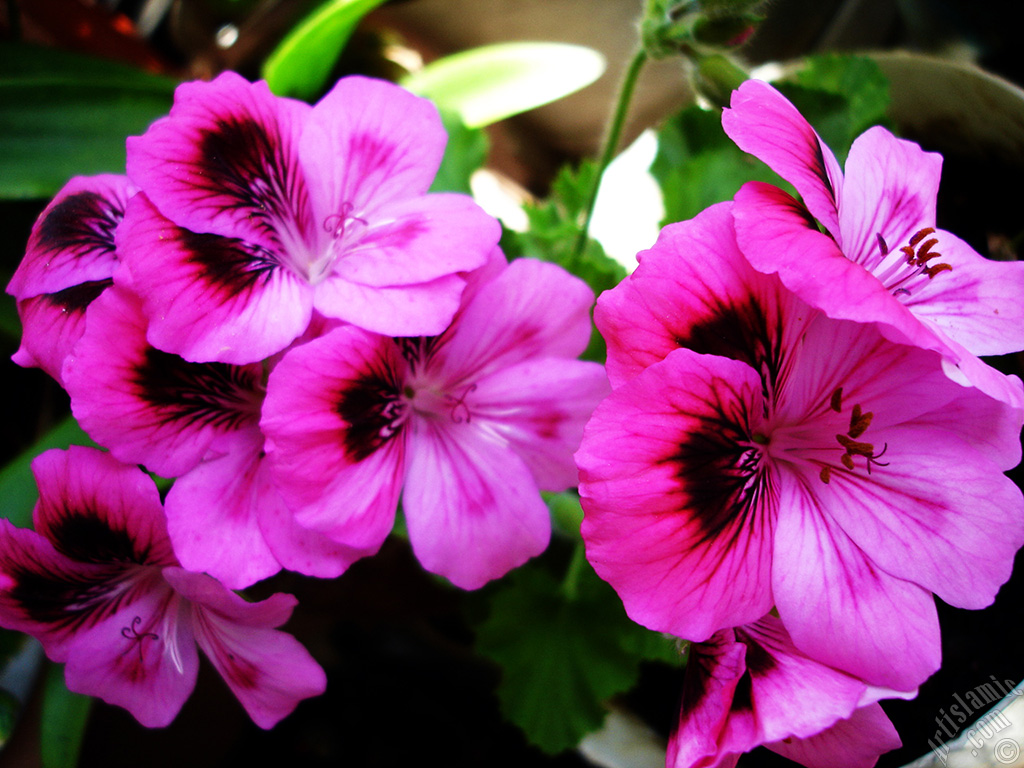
x,y
570,585
611,142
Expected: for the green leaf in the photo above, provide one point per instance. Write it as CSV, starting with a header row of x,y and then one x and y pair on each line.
x,y
488,84
466,152
63,115
64,718
302,62
18,486
571,656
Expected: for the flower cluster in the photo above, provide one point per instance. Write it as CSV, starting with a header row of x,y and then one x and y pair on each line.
x,y
802,448
272,310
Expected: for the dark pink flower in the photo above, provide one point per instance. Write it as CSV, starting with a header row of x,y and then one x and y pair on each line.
x,y
750,686
881,259
198,422
756,452
69,261
465,426
98,585
258,209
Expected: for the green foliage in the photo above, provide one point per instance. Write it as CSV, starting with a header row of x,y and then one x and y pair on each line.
x,y
564,650
64,718
18,486
555,224
487,84
698,165
302,62
466,152
64,115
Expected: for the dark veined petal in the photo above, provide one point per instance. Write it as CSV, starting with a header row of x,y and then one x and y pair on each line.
x,y
225,162
210,298
679,509
72,242
151,407
52,323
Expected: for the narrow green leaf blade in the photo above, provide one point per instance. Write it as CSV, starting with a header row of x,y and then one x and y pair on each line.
x,y
487,84
65,715
63,115
302,62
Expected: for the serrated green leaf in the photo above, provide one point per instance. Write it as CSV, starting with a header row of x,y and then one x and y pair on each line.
x,y
302,62
64,718
63,115
18,486
465,152
561,658
488,84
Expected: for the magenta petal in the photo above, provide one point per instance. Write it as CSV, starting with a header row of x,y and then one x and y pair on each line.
x,y
268,670
530,310
762,122
856,742
839,606
669,522
712,674
978,304
209,298
225,162
51,325
416,241
937,499
213,515
88,499
336,454
425,309
369,143
143,658
890,191
72,242
695,289
472,508
540,407
150,407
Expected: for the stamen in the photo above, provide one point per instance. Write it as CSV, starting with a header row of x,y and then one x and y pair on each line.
x,y
837,400
826,474
933,270
859,422
921,235
882,245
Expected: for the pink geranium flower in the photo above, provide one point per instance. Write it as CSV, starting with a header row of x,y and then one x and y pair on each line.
x,y
198,422
98,585
466,425
757,453
750,686
258,209
69,261
923,285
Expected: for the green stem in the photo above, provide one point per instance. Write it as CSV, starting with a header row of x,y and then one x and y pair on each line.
x,y
611,142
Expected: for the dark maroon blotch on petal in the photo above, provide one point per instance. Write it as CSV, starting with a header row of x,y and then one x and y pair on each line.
x,y
370,406
89,539
240,159
78,297
65,600
80,223
232,264
214,394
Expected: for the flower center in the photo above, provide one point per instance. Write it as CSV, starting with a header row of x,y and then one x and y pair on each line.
x,y
852,447
343,229
898,273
